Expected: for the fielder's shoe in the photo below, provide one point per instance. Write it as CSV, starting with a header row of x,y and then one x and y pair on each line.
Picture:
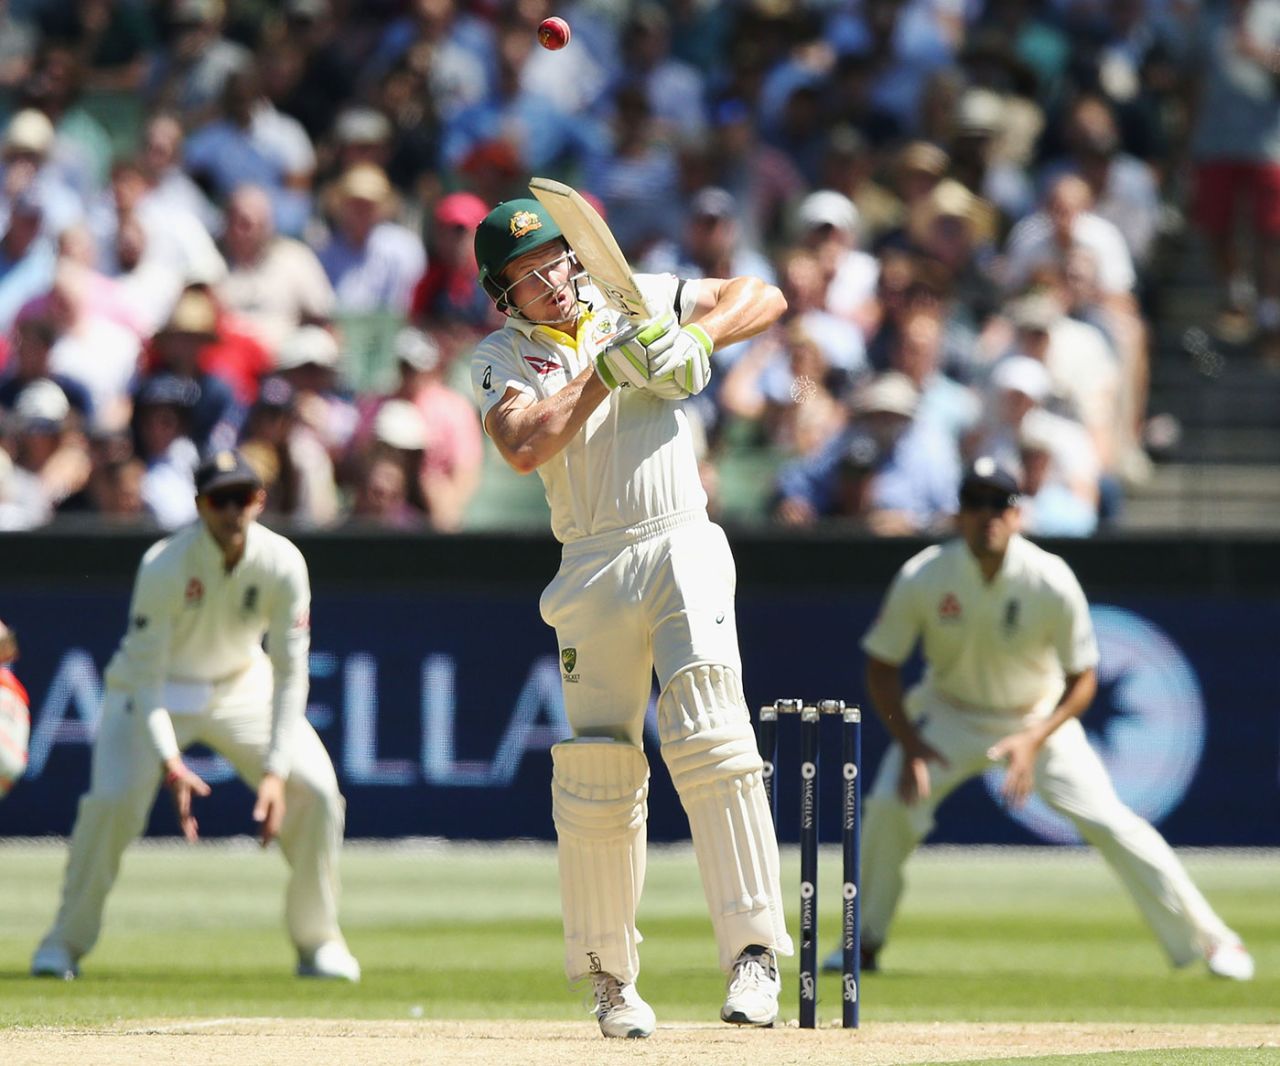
x,y
1230,960
53,960
868,960
331,960
620,1010
754,985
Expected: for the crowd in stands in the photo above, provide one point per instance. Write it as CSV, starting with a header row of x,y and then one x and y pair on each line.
x,y
963,201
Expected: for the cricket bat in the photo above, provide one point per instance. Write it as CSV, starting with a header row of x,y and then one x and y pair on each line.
x,y
595,246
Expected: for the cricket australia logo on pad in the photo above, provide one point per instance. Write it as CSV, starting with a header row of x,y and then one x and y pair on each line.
x,y
523,223
569,659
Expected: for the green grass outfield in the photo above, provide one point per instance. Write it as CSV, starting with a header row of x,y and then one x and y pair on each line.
x,y
468,931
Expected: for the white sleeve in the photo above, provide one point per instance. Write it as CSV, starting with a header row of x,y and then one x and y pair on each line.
x,y
1073,636
1115,264
496,367
152,613
897,627
289,646
666,292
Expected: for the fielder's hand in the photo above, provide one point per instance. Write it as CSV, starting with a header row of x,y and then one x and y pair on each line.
x,y
913,781
182,783
268,811
1019,752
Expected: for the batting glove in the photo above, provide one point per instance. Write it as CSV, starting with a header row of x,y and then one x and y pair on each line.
x,y
690,365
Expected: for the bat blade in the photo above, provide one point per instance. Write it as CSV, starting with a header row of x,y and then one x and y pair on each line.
x,y
594,244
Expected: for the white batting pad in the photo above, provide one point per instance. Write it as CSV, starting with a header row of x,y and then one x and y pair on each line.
x,y
599,791
710,749
15,730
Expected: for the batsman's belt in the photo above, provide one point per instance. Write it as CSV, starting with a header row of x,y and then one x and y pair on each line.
x,y
615,539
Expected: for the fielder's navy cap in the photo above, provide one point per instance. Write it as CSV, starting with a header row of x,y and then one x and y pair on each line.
x,y
223,469
984,474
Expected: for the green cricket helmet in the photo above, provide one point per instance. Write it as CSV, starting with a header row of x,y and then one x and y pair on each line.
x,y
507,232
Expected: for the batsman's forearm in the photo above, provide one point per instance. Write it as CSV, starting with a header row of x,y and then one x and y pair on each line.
x,y
884,685
745,306
529,436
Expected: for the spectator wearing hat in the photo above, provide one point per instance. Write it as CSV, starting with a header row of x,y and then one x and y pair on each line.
x,y
162,409
979,159
361,134
1049,508
449,291
826,223
1083,369
400,434
917,466
49,443
29,166
33,338
452,444
274,284
1018,387
372,262
212,414
308,361
253,143
294,467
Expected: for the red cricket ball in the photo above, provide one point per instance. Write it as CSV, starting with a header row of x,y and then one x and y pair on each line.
x,y
553,33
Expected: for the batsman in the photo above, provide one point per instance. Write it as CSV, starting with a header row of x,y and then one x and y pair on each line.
x,y
569,388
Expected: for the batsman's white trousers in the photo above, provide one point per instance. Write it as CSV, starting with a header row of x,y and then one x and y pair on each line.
x,y
126,773
1070,778
659,596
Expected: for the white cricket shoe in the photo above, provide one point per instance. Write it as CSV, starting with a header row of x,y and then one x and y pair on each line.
x,y
54,960
331,960
1231,960
620,1010
754,985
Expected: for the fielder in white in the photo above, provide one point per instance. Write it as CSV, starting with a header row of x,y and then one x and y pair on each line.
x,y
191,669
1011,664
646,583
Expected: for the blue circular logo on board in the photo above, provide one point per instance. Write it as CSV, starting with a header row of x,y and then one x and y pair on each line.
x,y
1151,735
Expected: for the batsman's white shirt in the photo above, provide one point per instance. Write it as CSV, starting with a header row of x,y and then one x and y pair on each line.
x,y
1004,645
634,459
194,628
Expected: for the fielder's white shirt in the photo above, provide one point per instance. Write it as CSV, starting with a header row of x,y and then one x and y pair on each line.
x,y
634,458
193,625
1004,645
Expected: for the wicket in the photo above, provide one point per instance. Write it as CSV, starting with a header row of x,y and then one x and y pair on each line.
x,y
810,715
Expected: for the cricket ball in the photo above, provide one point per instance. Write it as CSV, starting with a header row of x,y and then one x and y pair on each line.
x,y
553,33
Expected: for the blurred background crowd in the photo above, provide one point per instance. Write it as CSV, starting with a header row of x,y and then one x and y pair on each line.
x,y
250,222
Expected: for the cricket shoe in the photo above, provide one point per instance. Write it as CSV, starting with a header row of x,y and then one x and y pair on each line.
x,y
754,985
331,960
53,960
1231,960
868,960
620,1010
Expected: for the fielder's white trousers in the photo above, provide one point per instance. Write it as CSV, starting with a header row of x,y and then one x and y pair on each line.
x,y
1070,778
126,774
